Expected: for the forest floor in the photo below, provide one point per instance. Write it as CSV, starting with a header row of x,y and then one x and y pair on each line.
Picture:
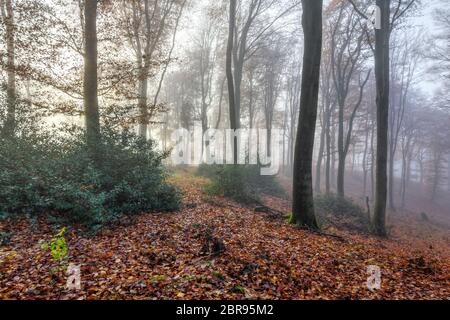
x,y
214,248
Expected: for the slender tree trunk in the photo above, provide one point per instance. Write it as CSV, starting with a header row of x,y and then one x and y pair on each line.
x,y
238,69
320,155
353,157
251,112
422,173
8,18
90,75
404,174
341,155
382,37
333,152
219,116
303,201
372,161
229,71
408,168
364,160
391,178
436,174
284,135
328,160
142,104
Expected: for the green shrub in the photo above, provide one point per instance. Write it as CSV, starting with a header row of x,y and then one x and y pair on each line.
x,y
43,172
209,171
290,218
338,206
57,246
242,183
341,212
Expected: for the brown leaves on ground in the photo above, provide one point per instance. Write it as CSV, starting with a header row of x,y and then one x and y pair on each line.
x,y
216,249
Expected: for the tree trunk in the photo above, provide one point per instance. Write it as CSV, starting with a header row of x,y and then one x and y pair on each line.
x,y
229,71
328,160
436,174
382,80
284,135
422,173
333,151
353,157
321,149
391,178
90,76
251,111
8,18
142,104
219,116
341,155
404,174
364,160
238,69
372,161
303,202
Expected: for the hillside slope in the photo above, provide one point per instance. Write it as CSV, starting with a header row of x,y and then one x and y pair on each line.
x,y
216,249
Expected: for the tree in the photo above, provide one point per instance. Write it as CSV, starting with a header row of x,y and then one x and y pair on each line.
x,y
7,13
92,117
346,53
303,201
382,37
251,90
234,123
404,60
272,64
293,85
327,107
205,54
439,52
249,35
147,23
407,141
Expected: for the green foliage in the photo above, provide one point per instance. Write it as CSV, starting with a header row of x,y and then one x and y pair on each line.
x,y
57,246
43,172
242,183
238,289
158,278
290,218
5,238
341,212
232,182
339,206
219,275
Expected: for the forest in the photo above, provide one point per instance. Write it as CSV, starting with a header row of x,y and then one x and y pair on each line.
x,y
224,150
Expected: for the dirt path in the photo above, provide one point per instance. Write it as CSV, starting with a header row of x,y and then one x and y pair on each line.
x,y
215,249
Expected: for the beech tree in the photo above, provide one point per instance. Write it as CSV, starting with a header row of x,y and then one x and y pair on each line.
x,y
147,24
346,53
303,202
382,76
19,56
92,116
405,53
7,13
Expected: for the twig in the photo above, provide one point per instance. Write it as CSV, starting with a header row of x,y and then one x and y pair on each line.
x,y
321,233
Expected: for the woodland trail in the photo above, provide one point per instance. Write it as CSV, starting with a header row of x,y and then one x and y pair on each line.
x,y
214,248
